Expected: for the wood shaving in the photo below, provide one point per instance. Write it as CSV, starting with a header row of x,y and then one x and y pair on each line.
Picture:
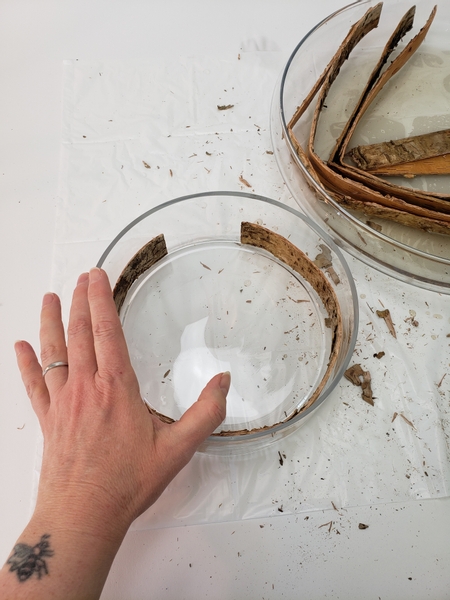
x,y
244,181
329,525
386,315
442,379
395,415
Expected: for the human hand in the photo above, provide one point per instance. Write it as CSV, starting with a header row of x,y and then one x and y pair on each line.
x,y
106,458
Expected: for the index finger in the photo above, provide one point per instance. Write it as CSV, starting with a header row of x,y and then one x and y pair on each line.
x,y
109,342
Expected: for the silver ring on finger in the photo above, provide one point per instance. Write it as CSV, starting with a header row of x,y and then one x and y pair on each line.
x,y
53,365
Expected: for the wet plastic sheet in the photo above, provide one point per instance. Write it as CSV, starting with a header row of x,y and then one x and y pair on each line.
x,y
138,134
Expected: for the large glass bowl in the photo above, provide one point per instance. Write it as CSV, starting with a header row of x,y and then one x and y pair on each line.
x,y
214,304
415,101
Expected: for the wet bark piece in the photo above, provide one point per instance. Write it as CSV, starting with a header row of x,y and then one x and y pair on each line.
x,y
146,257
435,165
372,209
368,22
407,155
354,194
377,80
429,200
256,235
405,25
357,31
353,182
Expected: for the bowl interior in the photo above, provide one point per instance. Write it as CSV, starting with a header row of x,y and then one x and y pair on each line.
x,y
215,304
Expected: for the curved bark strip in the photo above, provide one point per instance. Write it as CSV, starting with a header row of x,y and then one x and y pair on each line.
x,y
404,26
350,186
431,200
286,252
357,31
144,258
353,182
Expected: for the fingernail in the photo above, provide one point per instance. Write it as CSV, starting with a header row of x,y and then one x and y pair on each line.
x,y
83,278
18,347
225,382
48,298
94,274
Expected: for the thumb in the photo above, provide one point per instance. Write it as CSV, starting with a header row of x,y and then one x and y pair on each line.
x,y
205,415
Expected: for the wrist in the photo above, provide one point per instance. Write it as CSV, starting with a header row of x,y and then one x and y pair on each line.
x,y
84,511
58,557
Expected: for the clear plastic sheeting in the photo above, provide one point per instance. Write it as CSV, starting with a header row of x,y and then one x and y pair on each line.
x,y
138,134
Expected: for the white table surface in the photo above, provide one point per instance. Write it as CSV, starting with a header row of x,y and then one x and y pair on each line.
x,y
405,551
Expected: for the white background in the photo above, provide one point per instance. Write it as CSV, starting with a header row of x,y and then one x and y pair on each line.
x,y
403,554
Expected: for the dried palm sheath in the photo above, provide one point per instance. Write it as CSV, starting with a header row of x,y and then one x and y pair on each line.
x,y
376,82
404,26
359,186
286,252
432,201
368,22
427,154
357,31
348,193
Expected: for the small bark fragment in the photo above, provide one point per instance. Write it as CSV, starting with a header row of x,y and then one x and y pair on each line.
x,y
147,256
244,182
406,420
323,260
442,379
359,377
329,525
386,315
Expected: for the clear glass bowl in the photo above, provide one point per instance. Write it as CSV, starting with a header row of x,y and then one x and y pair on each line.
x,y
415,101
213,304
